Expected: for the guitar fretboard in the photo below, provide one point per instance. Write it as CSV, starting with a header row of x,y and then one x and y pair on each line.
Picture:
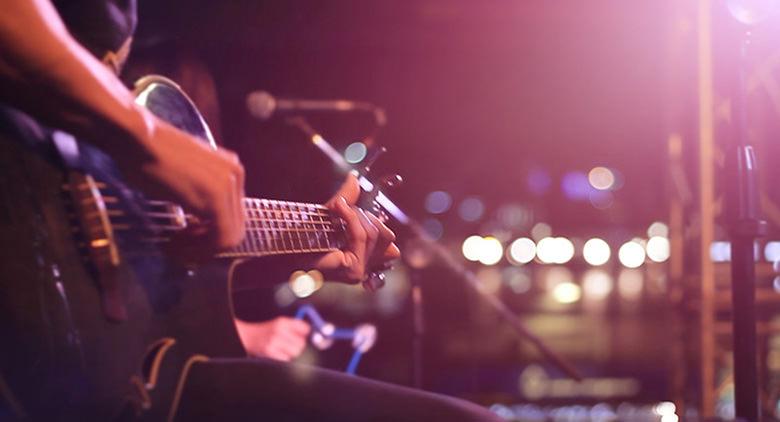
x,y
282,227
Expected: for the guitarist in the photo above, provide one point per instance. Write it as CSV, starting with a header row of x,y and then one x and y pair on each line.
x,y
58,69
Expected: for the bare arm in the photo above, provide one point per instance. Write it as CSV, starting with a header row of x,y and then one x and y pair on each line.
x,y
48,74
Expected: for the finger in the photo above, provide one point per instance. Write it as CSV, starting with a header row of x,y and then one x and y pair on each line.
x,y
355,253
349,190
385,239
372,234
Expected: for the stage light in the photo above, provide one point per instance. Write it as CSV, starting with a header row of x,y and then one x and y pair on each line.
x,y
545,250
522,251
631,254
720,251
472,248
491,251
601,178
564,250
630,283
658,249
752,12
540,231
567,292
471,209
596,252
658,229
772,251
597,284
438,202
355,152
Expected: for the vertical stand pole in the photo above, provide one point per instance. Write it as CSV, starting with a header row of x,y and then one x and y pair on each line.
x,y
746,226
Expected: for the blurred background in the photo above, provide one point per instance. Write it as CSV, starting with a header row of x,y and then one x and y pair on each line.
x,y
572,154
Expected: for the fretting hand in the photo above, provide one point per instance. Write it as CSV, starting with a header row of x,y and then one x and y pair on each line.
x,y
369,242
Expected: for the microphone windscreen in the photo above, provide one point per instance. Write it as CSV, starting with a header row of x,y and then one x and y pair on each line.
x,y
260,104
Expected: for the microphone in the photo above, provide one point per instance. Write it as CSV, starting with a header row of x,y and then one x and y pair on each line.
x,y
263,106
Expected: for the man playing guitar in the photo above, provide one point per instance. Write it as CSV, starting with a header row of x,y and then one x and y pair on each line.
x,y
51,77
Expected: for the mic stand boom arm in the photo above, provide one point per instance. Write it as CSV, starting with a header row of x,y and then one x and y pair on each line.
x,y
437,249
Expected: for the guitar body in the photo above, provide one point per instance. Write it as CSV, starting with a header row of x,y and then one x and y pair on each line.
x,y
63,355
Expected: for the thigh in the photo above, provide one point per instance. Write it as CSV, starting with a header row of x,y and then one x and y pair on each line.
x,y
265,390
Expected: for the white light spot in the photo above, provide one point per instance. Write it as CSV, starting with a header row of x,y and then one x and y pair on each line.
x,y
631,254
472,248
601,178
491,251
522,251
303,285
596,252
772,251
567,292
720,251
658,249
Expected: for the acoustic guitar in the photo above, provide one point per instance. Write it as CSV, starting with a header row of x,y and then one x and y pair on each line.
x,y
96,323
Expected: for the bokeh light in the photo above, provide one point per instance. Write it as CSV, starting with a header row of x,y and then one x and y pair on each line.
x,y
545,250
596,252
597,284
438,202
658,249
720,251
601,178
471,209
772,251
433,227
355,152
472,248
658,229
304,284
630,284
567,292
555,250
491,251
631,254
575,186
518,279
540,230
522,251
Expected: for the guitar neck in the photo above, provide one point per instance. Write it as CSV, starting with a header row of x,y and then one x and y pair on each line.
x,y
271,227
282,227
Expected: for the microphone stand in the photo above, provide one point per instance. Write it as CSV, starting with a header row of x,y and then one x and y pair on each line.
x,y
438,250
745,226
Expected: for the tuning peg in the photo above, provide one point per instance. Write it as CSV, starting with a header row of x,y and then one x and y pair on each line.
x,y
391,181
372,159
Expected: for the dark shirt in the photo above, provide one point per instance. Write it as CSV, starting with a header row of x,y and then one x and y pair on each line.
x,y
101,26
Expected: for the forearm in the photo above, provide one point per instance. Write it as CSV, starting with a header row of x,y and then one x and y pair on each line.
x,y
49,75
